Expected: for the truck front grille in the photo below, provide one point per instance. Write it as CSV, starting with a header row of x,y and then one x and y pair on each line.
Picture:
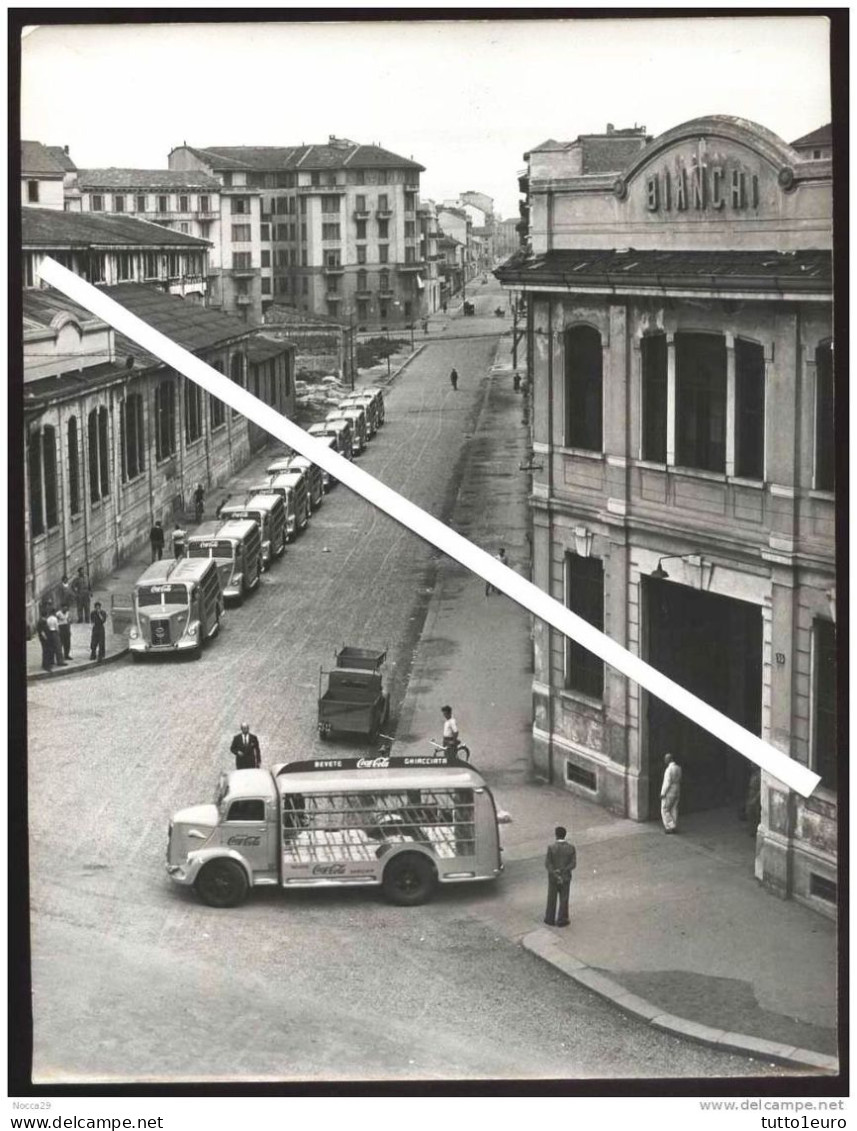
x,y
161,631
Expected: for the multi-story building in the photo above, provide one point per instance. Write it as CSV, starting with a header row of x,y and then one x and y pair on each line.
x,y
337,226
457,225
428,254
681,359
114,439
107,249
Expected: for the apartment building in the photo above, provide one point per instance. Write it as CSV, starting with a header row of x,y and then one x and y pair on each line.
x,y
336,226
679,324
42,176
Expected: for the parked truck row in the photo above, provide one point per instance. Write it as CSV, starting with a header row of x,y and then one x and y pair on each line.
x,y
177,605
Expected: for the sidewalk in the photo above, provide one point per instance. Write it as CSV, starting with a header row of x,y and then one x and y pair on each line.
x,y
674,930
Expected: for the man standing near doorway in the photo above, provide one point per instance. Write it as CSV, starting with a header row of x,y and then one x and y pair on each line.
x,y
670,793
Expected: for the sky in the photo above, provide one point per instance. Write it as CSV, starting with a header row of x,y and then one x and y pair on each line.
x,y
465,99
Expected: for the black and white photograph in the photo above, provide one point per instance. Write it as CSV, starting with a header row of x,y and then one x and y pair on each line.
x,y
422,466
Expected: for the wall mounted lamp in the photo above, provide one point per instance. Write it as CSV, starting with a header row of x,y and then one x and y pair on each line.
x,y
659,573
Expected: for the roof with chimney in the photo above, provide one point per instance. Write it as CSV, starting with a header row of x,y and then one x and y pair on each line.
x,y
150,179
61,156
50,228
338,153
38,161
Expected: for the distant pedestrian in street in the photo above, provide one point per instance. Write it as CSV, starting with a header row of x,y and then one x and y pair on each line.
x,y
64,622
453,379
82,590
450,731
560,862
156,539
54,637
98,638
670,793
179,536
199,502
245,747
45,641
425,325
501,557
443,307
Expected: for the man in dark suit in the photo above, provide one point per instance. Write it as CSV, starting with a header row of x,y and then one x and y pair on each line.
x,y
245,747
561,860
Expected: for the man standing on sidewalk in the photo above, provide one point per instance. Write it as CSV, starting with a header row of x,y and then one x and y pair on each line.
x,y
64,622
156,538
670,793
560,861
98,640
54,637
82,595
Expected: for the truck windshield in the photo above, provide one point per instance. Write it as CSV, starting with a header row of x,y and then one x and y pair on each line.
x,y
161,595
211,548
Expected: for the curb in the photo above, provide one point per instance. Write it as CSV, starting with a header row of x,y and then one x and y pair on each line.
x,y
542,944
33,677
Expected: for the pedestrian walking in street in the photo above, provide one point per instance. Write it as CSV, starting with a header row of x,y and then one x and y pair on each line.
x,y
425,325
98,638
450,731
54,637
156,539
501,557
245,747
179,536
453,379
560,862
45,641
670,793
199,502
64,622
82,590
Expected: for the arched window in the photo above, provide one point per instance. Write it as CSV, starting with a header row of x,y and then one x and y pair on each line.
x,y
192,411
72,441
825,463
49,455
34,472
104,452
236,372
165,420
132,436
216,407
749,410
700,390
92,447
583,389
653,355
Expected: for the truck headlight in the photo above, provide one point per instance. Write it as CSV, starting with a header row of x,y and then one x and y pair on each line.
x,y
134,634
191,629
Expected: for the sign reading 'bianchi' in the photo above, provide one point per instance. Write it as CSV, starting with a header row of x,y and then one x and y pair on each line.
x,y
702,188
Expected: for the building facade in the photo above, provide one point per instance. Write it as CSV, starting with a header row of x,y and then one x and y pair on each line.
x,y
679,325
109,249
336,227
42,177
114,439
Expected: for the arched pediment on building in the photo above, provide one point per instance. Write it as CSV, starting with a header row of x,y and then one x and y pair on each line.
x,y
720,142
66,321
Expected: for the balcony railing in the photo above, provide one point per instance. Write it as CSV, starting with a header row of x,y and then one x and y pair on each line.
x,y
361,213
244,272
244,300
416,265
333,268
333,296
384,212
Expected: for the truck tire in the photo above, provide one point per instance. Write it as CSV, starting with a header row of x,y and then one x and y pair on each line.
x,y
409,879
222,883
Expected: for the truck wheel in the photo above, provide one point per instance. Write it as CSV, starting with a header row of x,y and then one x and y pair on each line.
x,y
409,880
222,883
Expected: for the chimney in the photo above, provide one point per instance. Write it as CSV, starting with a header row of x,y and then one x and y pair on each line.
x,y
65,150
609,128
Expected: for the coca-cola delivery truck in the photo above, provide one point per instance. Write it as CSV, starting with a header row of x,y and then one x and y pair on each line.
x,y
404,823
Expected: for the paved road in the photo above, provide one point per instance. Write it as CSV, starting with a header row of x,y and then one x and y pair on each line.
x,y
134,979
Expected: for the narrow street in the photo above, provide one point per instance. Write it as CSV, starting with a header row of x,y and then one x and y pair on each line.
x,y
134,979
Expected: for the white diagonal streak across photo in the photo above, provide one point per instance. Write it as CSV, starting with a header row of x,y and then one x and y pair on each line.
x,y
791,773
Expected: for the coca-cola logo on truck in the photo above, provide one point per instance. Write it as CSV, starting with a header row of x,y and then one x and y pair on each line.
x,y
329,870
380,763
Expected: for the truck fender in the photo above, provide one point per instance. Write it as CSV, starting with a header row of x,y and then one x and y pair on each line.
x,y
387,852
195,861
